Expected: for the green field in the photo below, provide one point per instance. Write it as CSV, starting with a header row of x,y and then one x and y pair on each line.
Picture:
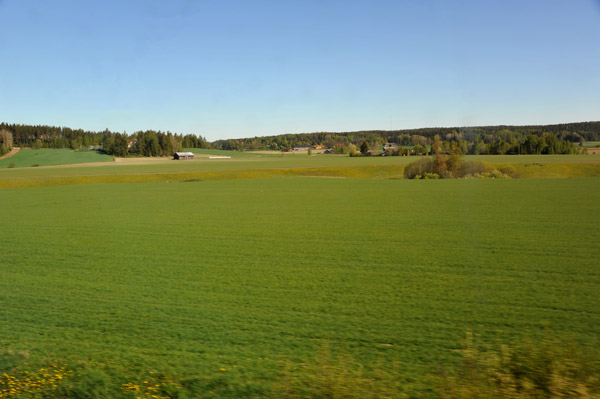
x,y
47,157
254,166
224,276
227,281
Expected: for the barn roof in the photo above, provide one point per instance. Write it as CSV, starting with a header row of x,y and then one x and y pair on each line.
x,y
185,154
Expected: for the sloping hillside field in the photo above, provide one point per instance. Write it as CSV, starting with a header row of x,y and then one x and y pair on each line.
x,y
219,288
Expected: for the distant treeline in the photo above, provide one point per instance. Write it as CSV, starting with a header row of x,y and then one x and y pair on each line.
x,y
143,143
534,139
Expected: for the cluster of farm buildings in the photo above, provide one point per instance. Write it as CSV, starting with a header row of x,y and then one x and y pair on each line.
x,y
385,148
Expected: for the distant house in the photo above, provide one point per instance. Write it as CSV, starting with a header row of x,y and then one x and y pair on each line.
x,y
318,146
183,155
390,146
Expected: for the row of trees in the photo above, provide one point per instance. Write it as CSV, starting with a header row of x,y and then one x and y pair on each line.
x,y
149,144
537,139
468,140
146,143
547,143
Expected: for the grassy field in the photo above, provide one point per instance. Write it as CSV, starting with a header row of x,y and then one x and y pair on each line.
x,y
255,166
222,285
47,157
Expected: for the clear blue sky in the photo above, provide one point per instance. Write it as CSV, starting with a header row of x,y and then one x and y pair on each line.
x,y
227,69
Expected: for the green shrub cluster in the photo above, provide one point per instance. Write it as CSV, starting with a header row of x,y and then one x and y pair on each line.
x,y
448,167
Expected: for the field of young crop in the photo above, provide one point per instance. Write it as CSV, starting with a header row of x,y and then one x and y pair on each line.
x,y
221,287
132,170
45,157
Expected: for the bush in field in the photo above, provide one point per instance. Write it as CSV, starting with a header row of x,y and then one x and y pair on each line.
x,y
494,174
343,149
353,152
472,168
418,168
531,369
442,167
509,170
453,163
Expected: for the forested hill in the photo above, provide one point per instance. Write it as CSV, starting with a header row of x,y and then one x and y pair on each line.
x,y
570,132
552,139
142,143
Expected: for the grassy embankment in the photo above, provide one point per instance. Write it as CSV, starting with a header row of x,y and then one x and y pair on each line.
x,y
233,288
